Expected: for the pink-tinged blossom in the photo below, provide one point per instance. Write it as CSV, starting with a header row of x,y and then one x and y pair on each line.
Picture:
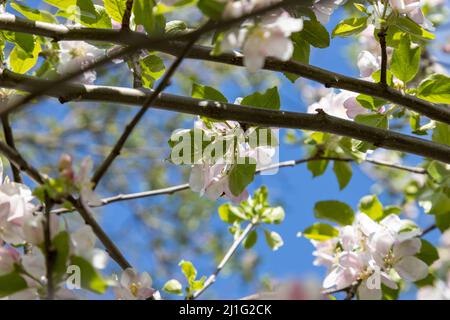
x,y
270,37
75,55
83,181
342,105
15,206
83,243
9,257
367,63
33,228
412,9
323,9
134,286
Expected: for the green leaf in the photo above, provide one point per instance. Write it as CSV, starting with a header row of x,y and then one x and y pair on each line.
x,y
435,88
273,239
438,171
33,14
143,15
241,175
62,4
90,278
317,167
371,206
173,287
211,8
343,173
209,93
163,8
334,211
270,99
405,60
388,293
250,241
350,27
315,34
428,253
428,281
301,53
320,232
369,102
152,68
11,283
376,120
441,134
61,244
22,61
188,270
409,26
443,221
115,9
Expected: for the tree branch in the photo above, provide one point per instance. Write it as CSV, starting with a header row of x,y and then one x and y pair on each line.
x,y
384,57
8,20
227,111
175,44
212,278
49,250
9,138
127,15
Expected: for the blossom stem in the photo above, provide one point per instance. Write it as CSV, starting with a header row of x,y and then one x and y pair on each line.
x,y
49,250
9,138
382,36
212,278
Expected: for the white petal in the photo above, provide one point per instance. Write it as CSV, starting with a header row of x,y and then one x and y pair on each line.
x,y
411,269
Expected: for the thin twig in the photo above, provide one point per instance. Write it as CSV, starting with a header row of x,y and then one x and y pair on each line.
x,y
115,152
383,76
212,278
280,165
109,245
49,250
9,138
127,15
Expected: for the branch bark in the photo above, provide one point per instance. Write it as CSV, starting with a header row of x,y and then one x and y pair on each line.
x,y
226,111
9,138
174,45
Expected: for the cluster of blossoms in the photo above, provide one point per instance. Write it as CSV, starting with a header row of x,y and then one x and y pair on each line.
x,y
220,146
267,36
413,10
368,254
22,225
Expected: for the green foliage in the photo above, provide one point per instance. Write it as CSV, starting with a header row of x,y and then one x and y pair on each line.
x,y
61,246
11,283
320,232
441,134
405,61
343,173
152,68
302,51
315,34
241,175
335,211
32,13
371,206
428,253
162,8
435,88
90,278
207,93
369,102
173,286
154,24
270,99
273,239
115,9
190,273
211,8
349,27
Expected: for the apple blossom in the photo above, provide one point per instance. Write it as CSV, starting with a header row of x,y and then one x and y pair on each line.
x,y
270,37
9,257
74,55
133,286
83,244
323,9
342,105
412,9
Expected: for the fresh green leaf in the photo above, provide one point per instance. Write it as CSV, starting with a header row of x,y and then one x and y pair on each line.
x,y
320,232
371,206
152,68
350,27
33,14
435,88
188,270
315,34
207,93
405,60
251,239
211,8
11,283
144,15
90,278
441,134
115,9
343,173
270,99
428,253
273,239
173,287
334,211
241,175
